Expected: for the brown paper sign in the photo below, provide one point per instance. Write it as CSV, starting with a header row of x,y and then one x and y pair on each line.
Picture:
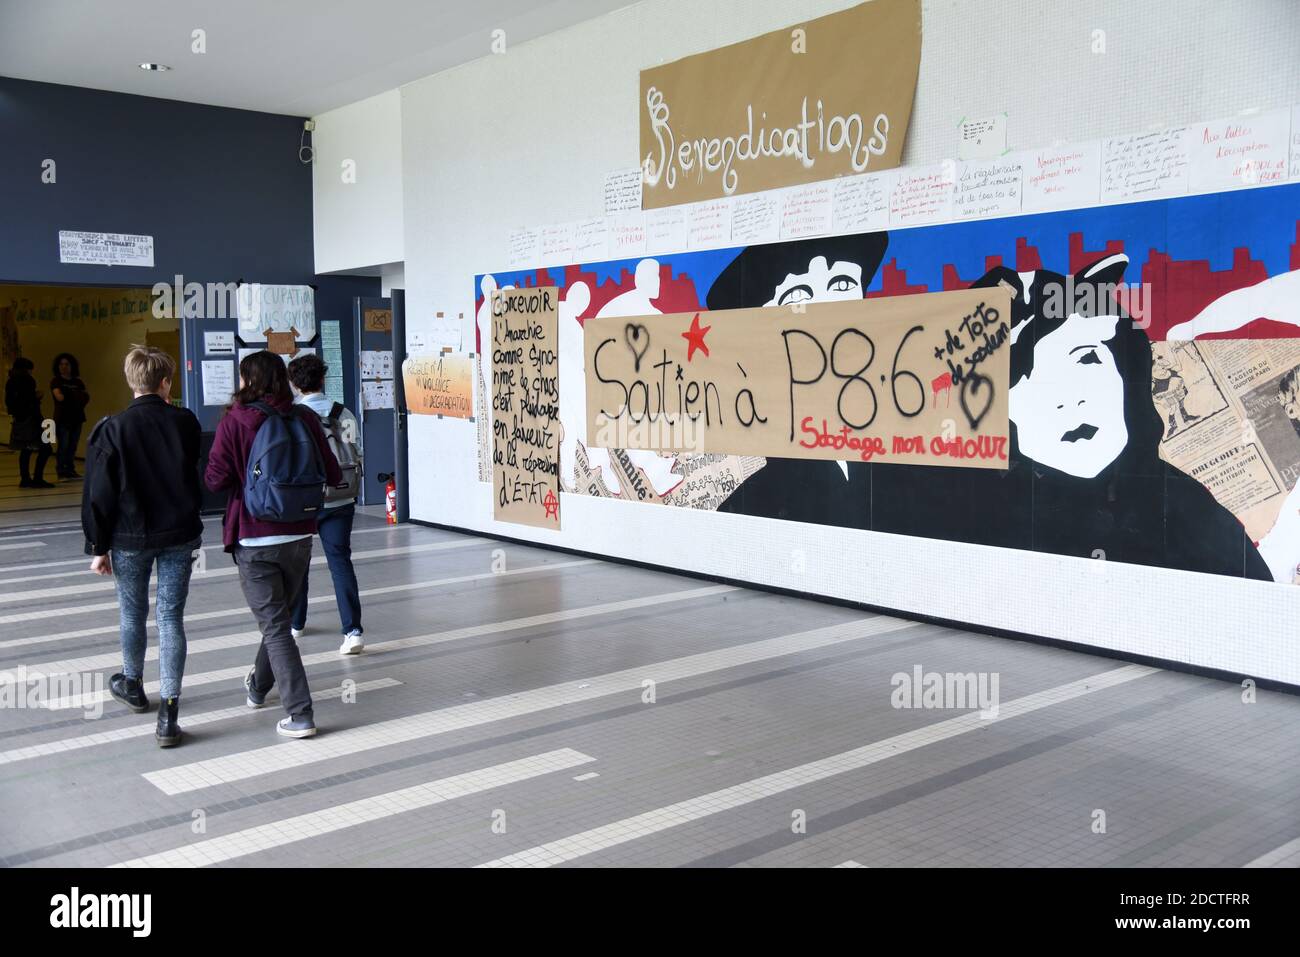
x,y
917,380
440,385
378,320
825,98
282,343
526,406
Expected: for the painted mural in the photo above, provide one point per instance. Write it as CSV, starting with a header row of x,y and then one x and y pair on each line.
x,y
1155,381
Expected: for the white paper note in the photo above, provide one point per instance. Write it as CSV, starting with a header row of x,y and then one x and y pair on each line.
x,y
591,241
1062,177
1144,165
665,230
990,187
218,377
1242,151
377,395
558,244
807,210
219,343
922,195
708,224
525,248
622,190
376,364
756,218
627,235
862,202
982,137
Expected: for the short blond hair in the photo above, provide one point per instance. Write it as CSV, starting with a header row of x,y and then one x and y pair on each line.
x,y
146,367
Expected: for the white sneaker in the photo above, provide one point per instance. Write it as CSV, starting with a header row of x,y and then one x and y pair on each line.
x,y
297,632
352,644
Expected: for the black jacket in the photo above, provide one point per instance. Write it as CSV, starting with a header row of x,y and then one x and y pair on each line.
x,y
24,405
142,479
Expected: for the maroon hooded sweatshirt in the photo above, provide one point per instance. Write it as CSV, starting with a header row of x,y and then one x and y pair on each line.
x,y
228,463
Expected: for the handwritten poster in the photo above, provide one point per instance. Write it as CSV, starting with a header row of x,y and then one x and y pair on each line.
x,y
665,230
807,211
987,188
627,235
708,225
1144,165
1062,177
1237,152
623,190
559,243
525,248
919,380
377,320
862,202
756,218
218,381
526,407
823,98
261,306
440,385
591,240
376,363
922,195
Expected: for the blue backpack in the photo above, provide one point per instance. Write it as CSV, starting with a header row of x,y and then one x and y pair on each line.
x,y
285,479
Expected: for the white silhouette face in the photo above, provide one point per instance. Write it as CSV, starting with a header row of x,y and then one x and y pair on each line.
x,y
821,283
1069,412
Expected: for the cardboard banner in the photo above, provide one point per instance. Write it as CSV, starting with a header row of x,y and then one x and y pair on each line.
x,y
440,385
377,320
825,98
526,407
916,380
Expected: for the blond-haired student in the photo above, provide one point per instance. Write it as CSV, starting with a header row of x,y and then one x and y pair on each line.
x,y
140,506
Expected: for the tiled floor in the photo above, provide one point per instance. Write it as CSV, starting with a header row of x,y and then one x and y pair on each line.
x,y
518,707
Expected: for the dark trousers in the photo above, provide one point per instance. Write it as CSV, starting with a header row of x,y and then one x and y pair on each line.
x,y
25,462
335,529
68,437
271,577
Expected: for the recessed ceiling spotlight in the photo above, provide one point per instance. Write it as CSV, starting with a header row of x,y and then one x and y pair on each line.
x,y
154,67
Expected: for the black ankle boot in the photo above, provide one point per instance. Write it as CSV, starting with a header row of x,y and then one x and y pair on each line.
x,y
129,691
169,731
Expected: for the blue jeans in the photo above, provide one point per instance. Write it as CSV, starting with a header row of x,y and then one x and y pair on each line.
x,y
335,529
131,571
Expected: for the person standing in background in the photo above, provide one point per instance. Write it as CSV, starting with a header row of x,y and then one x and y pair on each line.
x,y
23,403
307,375
70,399
272,556
140,505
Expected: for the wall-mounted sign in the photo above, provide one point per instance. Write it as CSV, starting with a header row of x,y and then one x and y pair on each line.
x,y
915,380
219,343
278,308
825,98
105,249
440,385
526,406
378,320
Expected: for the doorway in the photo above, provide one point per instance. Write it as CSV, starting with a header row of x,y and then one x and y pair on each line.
x,y
95,325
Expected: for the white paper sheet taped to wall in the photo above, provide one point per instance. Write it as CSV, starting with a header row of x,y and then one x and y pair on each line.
x,y
218,377
1239,151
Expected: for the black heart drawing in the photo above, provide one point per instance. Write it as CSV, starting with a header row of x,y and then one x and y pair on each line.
x,y
637,337
971,386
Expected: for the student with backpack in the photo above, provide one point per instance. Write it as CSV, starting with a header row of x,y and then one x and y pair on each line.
x,y
275,461
307,375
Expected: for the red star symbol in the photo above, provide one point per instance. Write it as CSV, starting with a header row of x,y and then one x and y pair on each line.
x,y
695,337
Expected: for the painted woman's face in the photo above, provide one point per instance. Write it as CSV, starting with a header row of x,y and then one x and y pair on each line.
x,y
1069,413
821,283
1291,401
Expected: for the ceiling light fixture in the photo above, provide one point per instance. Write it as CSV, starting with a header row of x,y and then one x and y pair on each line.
x,y
154,67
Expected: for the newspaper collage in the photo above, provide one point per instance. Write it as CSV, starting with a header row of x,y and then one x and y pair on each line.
x,y
1231,415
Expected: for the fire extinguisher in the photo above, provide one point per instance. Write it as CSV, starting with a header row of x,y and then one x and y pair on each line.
x,y
390,496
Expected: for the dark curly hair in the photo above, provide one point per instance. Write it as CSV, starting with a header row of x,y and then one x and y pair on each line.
x,y
307,372
72,361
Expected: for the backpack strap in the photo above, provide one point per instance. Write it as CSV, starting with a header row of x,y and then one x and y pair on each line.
x,y
265,409
336,410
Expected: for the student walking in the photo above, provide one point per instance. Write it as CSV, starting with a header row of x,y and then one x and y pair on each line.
x,y
307,376
70,400
23,403
140,506
274,460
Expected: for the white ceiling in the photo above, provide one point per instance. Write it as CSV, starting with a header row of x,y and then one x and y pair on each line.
x,y
300,57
